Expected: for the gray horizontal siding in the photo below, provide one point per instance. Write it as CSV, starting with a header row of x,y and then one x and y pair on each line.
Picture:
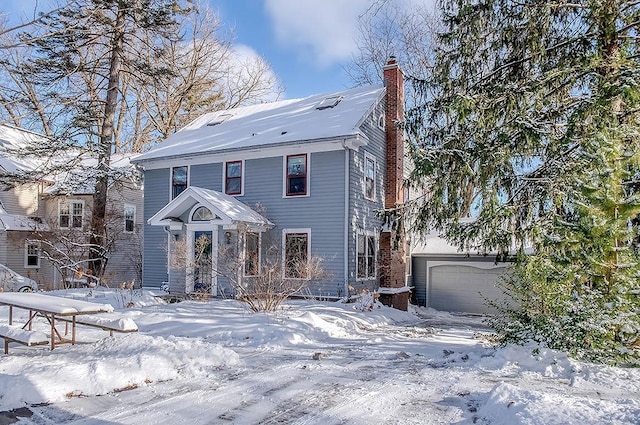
x,y
208,176
156,190
322,211
364,218
15,260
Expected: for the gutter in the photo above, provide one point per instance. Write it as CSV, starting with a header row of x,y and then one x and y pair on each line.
x,y
352,141
346,220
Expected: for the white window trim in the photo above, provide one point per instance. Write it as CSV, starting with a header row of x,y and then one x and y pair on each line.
x,y
381,121
368,156
69,202
284,249
284,175
26,254
171,198
244,254
224,177
135,212
375,254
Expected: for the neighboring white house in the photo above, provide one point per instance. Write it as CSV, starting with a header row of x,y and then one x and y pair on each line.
x,y
43,224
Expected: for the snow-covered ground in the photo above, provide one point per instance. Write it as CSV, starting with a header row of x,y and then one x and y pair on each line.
x,y
311,363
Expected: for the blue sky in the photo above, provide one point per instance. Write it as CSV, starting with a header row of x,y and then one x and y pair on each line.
x,y
306,42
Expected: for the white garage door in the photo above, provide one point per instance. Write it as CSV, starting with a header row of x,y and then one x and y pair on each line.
x,y
461,288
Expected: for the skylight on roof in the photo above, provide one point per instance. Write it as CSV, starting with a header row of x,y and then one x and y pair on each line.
x,y
219,119
329,102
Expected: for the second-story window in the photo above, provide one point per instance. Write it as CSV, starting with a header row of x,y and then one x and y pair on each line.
x,y
296,180
129,217
369,177
179,180
70,214
233,178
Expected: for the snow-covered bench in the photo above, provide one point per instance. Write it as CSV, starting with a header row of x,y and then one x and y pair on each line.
x,y
109,322
12,333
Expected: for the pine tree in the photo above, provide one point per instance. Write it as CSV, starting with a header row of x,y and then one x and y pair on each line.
x,y
530,124
78,66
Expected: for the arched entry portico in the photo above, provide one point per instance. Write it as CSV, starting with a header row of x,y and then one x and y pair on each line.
x,y
194,221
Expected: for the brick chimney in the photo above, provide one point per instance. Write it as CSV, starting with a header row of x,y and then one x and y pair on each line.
x,y
394,113
393,289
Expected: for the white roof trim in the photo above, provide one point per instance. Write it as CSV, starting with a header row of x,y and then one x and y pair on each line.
x,y
227,209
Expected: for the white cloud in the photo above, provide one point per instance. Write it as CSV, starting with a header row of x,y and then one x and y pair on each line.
x,y
249,78
323,30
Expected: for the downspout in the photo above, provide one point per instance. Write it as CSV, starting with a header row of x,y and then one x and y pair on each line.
x,y
168,231
346,220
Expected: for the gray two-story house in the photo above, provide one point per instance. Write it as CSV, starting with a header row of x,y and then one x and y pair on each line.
x,y
305,176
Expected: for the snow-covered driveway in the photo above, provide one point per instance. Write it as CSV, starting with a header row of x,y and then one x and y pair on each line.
x,y
313,363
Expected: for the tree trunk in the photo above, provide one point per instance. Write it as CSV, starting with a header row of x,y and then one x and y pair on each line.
x,y
97,241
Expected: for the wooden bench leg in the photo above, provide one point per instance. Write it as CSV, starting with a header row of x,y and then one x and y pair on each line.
x,y
6,346
53,332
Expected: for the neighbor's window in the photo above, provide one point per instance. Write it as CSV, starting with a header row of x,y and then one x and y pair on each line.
x,y
369,177
70,214
32,255
233,178
296,180
251,254
296,254
366,256
179,179
129,217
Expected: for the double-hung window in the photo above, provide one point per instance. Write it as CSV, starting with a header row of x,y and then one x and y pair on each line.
x,y
251,254
296,181
179,180
70,214
129,217
32,255
366,246
369,177
296,253
233,178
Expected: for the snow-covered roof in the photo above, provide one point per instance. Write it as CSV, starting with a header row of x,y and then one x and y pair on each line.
x,y
12,139
75,169
81,180
317,117
20,222
225,209
434,244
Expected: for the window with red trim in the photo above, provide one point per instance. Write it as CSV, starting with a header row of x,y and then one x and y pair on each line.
x,y
296,175
233,178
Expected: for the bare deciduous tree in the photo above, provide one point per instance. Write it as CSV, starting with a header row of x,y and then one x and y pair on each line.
x,y
407,32
115,75
262,283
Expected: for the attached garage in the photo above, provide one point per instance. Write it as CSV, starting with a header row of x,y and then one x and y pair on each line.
x,y
447,280
463,288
